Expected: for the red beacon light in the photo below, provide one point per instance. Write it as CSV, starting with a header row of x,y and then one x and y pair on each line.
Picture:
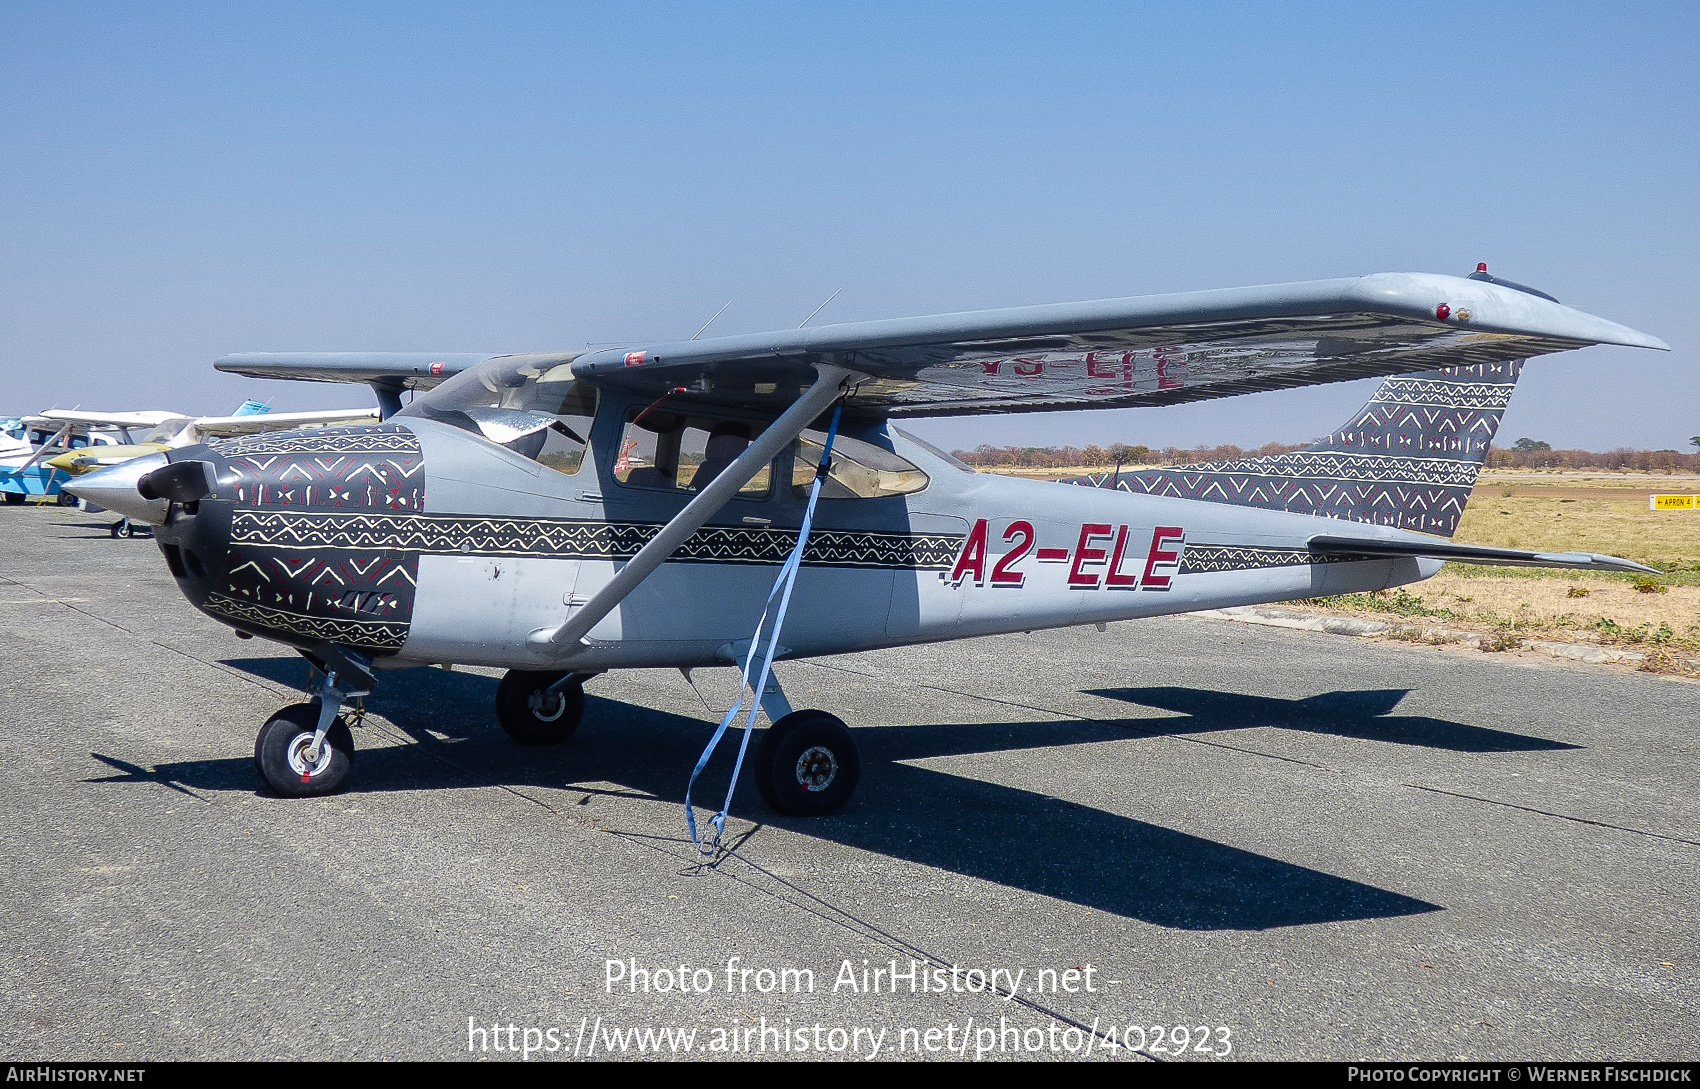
x,y
1481,266
1443,311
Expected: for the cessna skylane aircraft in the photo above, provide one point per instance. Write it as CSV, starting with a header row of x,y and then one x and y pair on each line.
x,y
564,514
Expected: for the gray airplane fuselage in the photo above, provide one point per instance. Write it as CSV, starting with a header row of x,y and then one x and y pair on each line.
x,y
419,542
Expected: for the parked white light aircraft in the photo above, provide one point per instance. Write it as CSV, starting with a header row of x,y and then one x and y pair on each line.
x,y
161,431
28,448
156,432
560,515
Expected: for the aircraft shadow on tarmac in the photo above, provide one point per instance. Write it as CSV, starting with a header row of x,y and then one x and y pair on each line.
x,y
1366,715
1013,837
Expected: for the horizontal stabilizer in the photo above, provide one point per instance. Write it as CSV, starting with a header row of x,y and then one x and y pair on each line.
x,y
1468,553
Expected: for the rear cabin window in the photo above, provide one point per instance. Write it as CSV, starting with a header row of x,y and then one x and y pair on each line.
x,y
672,452
858,470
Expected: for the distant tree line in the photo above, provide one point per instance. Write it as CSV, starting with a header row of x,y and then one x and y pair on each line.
x,y
1525,454
1535,455
1094,456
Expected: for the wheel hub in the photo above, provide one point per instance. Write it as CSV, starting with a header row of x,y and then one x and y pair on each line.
x,y
546,706
301,756
816,769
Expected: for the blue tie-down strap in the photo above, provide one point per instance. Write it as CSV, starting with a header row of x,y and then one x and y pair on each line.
x,y
781,593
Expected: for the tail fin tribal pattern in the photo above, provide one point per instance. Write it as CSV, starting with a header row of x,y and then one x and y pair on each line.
x,y
1408,458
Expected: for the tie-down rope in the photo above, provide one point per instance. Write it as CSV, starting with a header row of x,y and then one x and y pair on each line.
x,y
782,591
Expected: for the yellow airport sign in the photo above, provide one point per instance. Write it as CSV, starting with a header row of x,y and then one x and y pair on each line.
x,y
1673,502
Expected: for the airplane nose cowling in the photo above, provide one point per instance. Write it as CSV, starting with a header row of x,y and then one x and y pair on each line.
x,y
115,488
298,536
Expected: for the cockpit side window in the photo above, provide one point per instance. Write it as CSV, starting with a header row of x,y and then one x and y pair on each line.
x,y
670,451
534,408
858,470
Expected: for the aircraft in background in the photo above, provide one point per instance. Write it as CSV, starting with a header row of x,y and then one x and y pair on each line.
x,y
153,432
30,442
175,431
564,514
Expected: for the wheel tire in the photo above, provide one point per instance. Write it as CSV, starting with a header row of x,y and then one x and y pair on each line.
x,y
529,715
66,499
14,499
278,752
807,765
117,528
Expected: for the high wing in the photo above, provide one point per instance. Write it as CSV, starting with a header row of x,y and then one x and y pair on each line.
x,y
388,373
1151,350
1115,353
80,418
219,427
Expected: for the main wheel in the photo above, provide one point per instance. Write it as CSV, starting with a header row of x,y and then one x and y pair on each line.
x,y
806,764
280,752
531,714
66,499
14,499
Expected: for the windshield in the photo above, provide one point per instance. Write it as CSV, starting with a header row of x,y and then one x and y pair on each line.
x,y
530,404
163,432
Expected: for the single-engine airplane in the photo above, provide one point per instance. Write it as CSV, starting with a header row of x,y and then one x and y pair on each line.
x,y
29,447
563,514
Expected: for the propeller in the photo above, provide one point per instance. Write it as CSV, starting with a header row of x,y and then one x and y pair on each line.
x,y
179,482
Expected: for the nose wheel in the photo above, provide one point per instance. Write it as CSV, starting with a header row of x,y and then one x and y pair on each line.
x,y
289,760
806,764
540,707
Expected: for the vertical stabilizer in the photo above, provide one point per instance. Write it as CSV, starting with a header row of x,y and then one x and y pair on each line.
x,y
1408,458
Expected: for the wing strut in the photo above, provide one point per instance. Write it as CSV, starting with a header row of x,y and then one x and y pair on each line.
x,y
560,641
47,448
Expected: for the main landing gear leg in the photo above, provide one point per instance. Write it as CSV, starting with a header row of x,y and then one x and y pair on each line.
x,y
308,749
806,763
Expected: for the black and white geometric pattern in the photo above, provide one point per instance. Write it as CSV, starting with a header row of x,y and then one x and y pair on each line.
x,y
1408,458
1201,559
301,531
372,634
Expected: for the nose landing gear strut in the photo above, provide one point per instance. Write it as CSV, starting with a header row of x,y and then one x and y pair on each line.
x,y
307,748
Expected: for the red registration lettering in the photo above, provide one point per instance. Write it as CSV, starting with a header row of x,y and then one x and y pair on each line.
x,y
1098,368
973,557
1161,536
1085,553
1114,579
1005,574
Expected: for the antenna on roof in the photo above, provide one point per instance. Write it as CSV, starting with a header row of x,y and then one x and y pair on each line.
x,y
821,307
710,321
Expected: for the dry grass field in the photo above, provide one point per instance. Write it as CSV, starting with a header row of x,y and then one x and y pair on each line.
x,y
1585,512
1551,511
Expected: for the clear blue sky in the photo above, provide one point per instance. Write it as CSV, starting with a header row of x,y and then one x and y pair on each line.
x,y
178,181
